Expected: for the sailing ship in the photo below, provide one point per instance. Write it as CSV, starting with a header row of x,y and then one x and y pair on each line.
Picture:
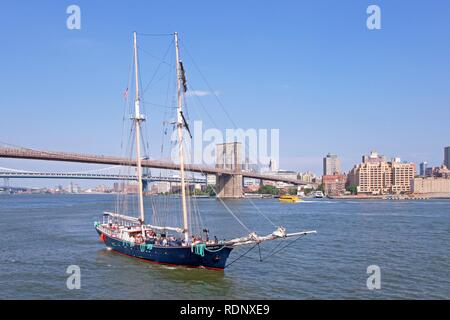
x,y
135,237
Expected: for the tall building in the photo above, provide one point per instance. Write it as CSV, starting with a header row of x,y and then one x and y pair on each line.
x,y
374,157
423,168
402,174
447,157
307,176
331,165
376,176
334,185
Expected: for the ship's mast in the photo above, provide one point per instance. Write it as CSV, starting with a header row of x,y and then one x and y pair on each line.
x,y
180,142
138,118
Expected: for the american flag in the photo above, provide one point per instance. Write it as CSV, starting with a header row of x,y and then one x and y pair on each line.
x,y
125,94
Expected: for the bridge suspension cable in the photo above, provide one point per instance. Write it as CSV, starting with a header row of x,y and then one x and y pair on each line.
x,y
74,172
16,170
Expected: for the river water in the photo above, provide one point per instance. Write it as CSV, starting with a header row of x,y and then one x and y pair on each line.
x,y
409,240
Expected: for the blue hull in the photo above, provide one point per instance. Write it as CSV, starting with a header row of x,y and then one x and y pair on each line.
x,y
215,256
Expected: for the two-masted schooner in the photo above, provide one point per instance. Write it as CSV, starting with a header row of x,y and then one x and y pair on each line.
x,y
173,245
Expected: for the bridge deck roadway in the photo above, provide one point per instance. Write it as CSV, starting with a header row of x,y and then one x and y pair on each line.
x,y
17,153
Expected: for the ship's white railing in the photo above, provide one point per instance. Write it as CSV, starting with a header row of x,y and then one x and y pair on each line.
x,y
176,229
136,222
122,217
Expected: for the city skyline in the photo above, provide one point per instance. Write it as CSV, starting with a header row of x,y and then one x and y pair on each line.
x,y
316,67
89,184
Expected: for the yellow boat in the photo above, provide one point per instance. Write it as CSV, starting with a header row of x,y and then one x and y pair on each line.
x,y
289,198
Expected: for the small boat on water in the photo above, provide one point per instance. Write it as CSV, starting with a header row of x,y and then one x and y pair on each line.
x,y
186,242
318,194
287,198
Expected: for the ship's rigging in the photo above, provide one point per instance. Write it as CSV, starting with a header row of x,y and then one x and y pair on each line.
x,y
155,231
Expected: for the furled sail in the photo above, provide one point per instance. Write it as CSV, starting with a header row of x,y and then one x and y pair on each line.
x,y
183,77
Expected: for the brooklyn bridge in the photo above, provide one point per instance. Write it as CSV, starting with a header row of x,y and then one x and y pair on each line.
x,y
229,177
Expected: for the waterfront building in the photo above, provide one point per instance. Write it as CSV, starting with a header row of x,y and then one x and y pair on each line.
x,y
123,187
447,157
251,188
251,182
285,174
438,172
422,168
331,165
334,185
402,174
161,187
443,172
307,176
430,185
131,188
376,176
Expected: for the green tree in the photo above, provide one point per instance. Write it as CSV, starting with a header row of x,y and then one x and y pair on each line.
x,y
352,188
210,190
268,190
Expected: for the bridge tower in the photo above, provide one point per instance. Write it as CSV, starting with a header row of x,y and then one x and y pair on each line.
x,y
229,156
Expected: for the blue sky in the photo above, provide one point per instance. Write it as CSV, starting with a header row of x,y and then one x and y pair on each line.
x,y
310,68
